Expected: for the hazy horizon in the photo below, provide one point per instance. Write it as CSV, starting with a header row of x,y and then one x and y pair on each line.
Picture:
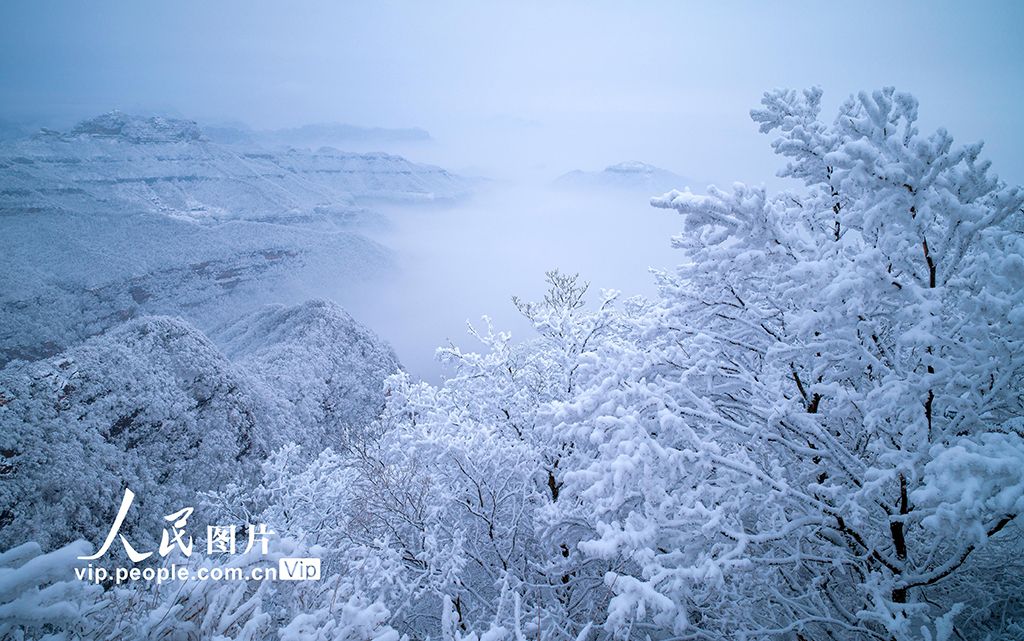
x,y
524,89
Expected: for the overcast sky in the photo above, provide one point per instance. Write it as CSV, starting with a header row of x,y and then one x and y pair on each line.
x,y
522,83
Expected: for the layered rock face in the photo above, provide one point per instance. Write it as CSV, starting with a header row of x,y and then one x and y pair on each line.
x,y
169,167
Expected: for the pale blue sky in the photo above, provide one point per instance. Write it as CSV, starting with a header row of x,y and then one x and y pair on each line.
x,y
550,87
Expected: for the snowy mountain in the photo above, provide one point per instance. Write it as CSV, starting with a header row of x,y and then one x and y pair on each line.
x,y
122,243
167,166
124,216
631,175
154,404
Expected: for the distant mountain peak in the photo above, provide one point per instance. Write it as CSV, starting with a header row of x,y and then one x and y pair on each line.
x,y
630,175
138,129
633,167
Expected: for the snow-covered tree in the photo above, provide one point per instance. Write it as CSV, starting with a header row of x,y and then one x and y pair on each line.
x,y
453,484
821,436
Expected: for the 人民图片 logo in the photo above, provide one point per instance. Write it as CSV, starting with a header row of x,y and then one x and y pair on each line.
x,y
219,538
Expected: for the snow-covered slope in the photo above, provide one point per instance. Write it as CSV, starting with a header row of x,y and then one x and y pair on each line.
x,y
152,405
328,368
70,275
631,175
156,406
